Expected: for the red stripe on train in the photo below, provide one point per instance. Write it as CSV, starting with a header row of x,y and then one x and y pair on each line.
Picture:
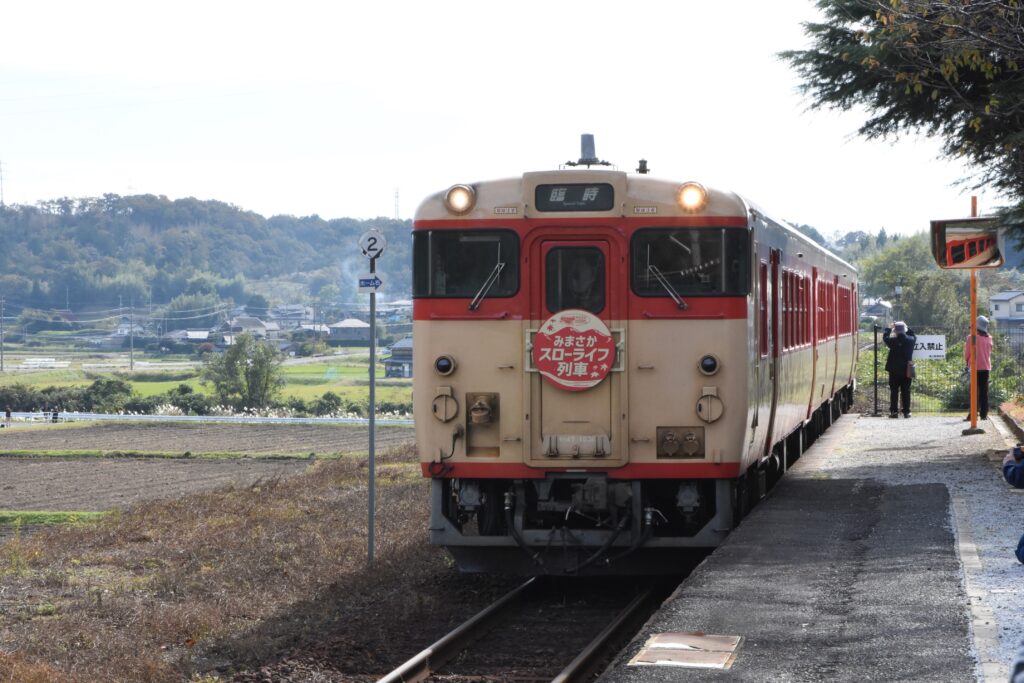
x,y
640,308
480,470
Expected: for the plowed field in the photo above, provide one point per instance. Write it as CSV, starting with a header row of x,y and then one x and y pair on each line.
x,y
201,438
87,483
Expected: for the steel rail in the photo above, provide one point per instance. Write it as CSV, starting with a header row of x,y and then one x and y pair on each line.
x,y
578,668
421,666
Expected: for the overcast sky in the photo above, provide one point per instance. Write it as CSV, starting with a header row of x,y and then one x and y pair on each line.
x,y
328,108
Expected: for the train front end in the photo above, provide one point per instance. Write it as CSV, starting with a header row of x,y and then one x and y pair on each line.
x,y
582,359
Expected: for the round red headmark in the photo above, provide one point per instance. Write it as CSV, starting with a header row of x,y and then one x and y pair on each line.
x,y
574,350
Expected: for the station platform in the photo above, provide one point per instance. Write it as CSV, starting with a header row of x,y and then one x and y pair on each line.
x,y
886,553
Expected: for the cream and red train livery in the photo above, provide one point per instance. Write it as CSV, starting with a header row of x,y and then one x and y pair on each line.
x,y
610,368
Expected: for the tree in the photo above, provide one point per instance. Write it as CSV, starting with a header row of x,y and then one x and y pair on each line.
x,y
884,271
929,297
257,305
813,233
247,375
191,311
947,68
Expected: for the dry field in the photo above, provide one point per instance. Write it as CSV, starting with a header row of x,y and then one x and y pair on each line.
x,y
261,579
200,438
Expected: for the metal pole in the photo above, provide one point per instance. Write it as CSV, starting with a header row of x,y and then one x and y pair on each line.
x,y
3,302
876,413
131,336
373,416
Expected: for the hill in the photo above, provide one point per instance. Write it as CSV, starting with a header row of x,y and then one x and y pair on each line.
x,y
77,253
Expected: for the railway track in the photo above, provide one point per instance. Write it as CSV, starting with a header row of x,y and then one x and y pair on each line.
x,y
544,630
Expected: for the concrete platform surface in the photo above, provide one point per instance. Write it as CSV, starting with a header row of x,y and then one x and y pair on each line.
x,y
851,569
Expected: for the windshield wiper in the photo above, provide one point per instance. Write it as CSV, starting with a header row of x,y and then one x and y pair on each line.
x,y
488,283
663,281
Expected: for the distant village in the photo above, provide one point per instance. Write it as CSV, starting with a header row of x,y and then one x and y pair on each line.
x,y
286,326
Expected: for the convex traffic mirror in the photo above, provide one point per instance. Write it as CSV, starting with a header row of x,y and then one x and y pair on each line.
x,y
967,243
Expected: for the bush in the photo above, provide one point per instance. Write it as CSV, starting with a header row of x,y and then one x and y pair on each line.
x,y
328,404
187,400
297,406
108,395
143,406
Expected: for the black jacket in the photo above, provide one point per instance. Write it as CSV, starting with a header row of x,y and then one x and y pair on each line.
x,y
901,350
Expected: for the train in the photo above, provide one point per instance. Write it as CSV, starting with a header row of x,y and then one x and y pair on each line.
x,y
610,369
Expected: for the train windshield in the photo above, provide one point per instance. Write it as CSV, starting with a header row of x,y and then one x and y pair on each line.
x,y
692,261
459,263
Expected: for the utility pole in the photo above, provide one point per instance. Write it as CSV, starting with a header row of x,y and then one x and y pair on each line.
x,y
3,302
131,336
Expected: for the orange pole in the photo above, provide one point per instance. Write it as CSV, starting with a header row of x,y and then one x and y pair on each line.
x,y
974,332
974,348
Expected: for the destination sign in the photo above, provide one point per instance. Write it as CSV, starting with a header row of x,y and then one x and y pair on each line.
x,y
575,197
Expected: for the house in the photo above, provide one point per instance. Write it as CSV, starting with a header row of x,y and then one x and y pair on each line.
x,y
126,328
399,364
349,330
877,311
1005,306
291,316
1007,312
311,331
188,336
243,323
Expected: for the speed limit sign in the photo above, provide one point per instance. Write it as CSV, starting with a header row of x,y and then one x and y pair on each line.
x,y
372,243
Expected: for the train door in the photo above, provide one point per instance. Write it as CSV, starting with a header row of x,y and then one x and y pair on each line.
x,y
815,322
575,342
758,350
774,341
834,322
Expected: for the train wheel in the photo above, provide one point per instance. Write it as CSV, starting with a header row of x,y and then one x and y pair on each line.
x,y
740,500
490,516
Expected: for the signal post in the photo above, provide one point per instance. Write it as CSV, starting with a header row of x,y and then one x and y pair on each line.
x,y
372,244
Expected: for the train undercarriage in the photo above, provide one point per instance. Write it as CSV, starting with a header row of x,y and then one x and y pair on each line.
x,y
588,524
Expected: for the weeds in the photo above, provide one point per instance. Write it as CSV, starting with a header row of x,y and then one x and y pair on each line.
x,y
152,592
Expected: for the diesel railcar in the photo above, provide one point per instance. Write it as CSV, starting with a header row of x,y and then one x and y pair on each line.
x,y
610,369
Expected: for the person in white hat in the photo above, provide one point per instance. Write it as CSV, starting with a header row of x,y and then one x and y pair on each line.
x,y
900,340
984,364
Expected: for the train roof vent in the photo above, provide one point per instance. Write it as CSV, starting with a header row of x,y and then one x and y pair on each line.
x,y
588,153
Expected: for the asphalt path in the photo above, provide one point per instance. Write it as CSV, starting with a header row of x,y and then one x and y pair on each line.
x,y
839,575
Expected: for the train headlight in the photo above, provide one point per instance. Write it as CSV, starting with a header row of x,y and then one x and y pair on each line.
x,y
692,196
444,365
708,364
460,198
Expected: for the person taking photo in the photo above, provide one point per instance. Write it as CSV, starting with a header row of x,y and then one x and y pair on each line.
x,y
901,340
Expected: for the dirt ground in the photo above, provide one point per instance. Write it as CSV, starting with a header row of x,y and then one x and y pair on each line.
x,y
246,584
252,439
96,484
89,483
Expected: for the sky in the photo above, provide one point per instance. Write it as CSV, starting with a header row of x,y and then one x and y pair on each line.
x,y
331,108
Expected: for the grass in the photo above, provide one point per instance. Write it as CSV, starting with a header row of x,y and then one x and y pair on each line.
x,y
345,375
36,517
